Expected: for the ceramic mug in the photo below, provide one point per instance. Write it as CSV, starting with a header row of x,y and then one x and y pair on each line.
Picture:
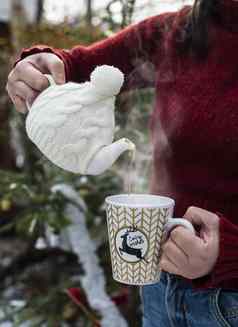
x,y
137,225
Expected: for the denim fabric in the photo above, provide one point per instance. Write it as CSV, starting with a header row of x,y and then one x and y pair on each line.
x,y
174,303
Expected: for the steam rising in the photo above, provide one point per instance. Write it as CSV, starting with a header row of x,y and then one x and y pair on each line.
x,y
140,105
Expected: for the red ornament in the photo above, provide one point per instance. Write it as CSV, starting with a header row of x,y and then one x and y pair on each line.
x,y
122,297
76,295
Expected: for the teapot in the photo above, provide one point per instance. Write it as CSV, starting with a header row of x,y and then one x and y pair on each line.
x,y
73,124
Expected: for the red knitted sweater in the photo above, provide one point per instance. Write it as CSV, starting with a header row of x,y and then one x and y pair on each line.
x,y
195,120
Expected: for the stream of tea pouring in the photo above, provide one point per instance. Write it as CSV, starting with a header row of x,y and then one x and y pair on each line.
x,y
73,124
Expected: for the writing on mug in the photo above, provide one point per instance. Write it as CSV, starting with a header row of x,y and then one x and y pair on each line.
x,y
136,240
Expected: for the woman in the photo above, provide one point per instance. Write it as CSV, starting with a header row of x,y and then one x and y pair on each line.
x,y
195,134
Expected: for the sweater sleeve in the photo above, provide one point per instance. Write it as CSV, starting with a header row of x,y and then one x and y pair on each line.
x,y
134,50
226,267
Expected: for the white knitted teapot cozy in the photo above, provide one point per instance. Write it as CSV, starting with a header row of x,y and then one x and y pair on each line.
x,y
73,124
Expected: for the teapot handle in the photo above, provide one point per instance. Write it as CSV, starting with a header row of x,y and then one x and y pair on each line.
x,y
50,79
51,83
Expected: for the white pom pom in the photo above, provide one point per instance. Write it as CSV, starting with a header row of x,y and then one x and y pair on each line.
x,y
107,80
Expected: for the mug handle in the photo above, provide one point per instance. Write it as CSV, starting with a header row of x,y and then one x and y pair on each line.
x,y
51,83
174,222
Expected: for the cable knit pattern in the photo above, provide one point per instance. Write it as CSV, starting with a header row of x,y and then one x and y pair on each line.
x,y
195,120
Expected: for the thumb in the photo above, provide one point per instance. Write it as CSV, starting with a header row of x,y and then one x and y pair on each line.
x,y
56,68
204,221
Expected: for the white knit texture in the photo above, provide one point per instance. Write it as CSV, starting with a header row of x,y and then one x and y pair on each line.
x,y
70,123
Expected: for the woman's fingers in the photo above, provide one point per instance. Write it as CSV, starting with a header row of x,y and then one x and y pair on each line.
x,y
20,93
55,67
168,265
30,75
27,80
185,240
173,255
25,92
19,103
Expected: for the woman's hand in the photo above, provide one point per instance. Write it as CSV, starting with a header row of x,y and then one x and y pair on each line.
x,y
27,79
188,255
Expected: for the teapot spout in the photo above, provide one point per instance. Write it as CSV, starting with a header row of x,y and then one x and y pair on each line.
x,y
107,155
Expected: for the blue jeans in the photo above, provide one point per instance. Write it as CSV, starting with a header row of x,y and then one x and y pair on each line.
x,y
174,303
